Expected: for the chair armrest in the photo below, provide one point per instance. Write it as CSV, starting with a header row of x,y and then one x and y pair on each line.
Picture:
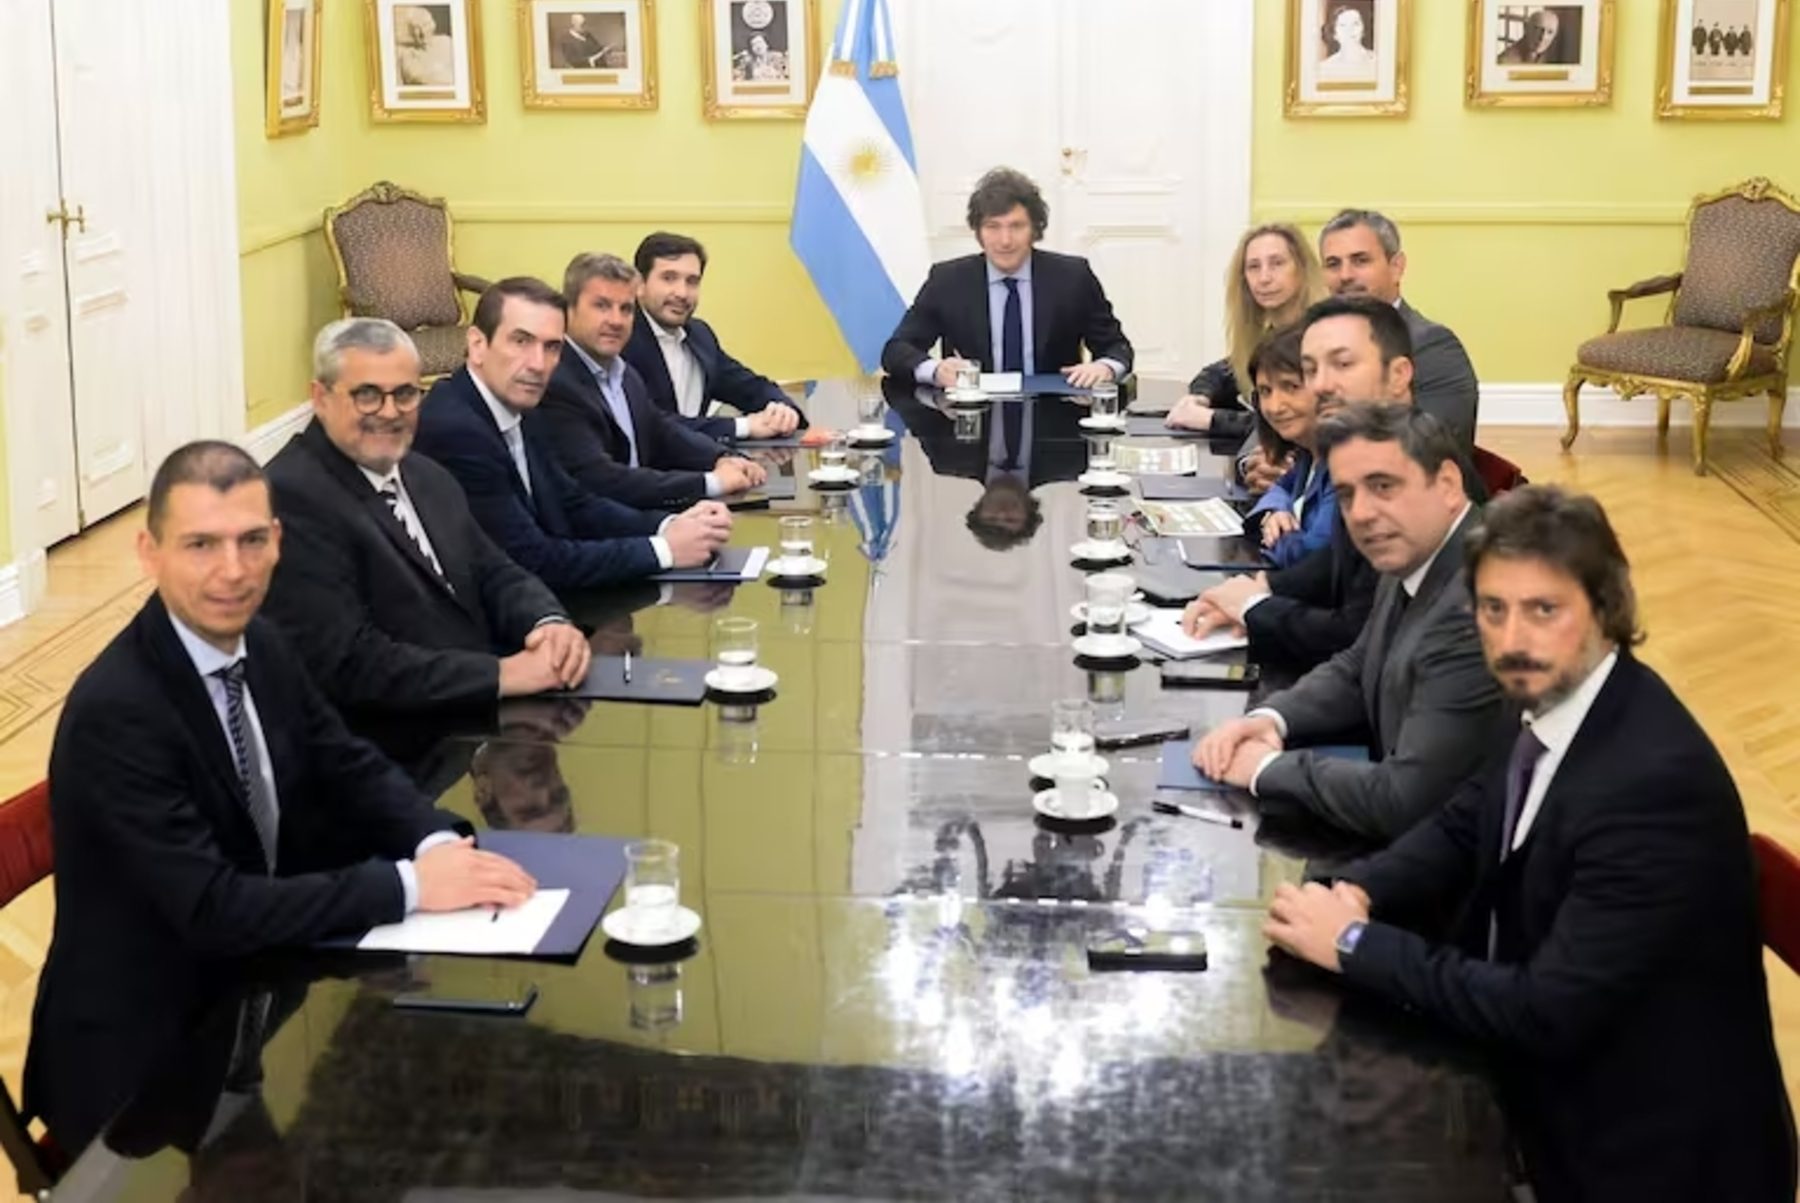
x,y
1740,358
470,283
1654,286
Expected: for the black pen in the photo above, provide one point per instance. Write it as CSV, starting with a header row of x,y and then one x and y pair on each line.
x,y
494,917
1195,812
628,666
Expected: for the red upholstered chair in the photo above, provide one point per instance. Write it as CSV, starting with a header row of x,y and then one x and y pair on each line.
x,y
1778,896
1498,473
25,861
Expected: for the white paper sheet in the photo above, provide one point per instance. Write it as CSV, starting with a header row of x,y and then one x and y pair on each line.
x,y
1214,516
1002,382
753,566
1163,629
475,932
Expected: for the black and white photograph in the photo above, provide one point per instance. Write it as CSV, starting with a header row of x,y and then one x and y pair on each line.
x,y
759,47
1531,35
292,104
592,54
1722,43
1542,55
1347,58
1722,59
758,58
425,60
588,41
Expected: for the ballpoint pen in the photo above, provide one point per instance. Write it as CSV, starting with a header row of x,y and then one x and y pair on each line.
x,y
628,666
1195,812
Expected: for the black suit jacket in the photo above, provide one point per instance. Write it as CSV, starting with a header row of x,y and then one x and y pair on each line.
x,y
590,444
1444,382
725,379
568,537
160,878
1626,1006
380,629
1069,309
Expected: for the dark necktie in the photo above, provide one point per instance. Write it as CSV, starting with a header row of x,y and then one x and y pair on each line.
x,y
256,799
1012,329
390,493
1013,416
1521,766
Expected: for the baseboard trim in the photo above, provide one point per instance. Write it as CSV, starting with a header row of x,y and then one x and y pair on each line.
x,y
273,435
1542,405
23,584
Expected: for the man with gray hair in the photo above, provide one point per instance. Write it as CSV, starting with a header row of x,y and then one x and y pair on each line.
x,y
387,584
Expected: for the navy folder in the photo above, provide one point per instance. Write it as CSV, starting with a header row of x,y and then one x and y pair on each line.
x,y
1177,769
726,566
1147,426
1156,487
673,682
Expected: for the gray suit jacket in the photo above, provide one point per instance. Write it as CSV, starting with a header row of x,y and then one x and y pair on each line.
x,y
1424,699
1444,383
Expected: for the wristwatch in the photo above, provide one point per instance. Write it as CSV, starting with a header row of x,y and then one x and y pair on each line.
x,y
1350,937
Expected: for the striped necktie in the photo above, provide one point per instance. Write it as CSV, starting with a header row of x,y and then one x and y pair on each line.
x,y
256,796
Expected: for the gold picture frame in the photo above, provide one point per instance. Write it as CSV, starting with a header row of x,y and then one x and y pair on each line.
x,y
1307,92
425,61
1575,69
1680,60
552,33
291,67
749,68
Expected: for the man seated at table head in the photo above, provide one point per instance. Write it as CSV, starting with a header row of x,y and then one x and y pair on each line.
x,y
1603,940
1413,685
680,358
208,803
390,589
479,423
603,427
1011,308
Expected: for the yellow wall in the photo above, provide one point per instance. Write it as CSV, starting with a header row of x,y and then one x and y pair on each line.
x,y
1515,221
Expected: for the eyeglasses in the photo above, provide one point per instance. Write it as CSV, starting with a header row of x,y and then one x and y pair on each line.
x,y
369,398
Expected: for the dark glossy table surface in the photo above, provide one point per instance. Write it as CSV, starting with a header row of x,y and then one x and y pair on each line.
x,y
890,998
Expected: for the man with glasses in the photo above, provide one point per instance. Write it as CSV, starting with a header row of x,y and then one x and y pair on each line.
x,y
386,583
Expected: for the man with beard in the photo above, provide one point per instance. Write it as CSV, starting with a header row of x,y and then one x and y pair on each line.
x,y
1604,943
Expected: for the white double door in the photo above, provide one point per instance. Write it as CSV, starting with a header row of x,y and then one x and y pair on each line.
x,y
1133,116
118,251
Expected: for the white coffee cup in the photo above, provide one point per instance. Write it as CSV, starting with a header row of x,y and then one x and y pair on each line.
x,y
1077,787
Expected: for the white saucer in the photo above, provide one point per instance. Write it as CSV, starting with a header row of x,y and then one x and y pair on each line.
x,y
870,435
781,566
761,680
834,476
965,396
625,925
1044,765
1046,803
1110,647
1135,612
1101,478
1096,422
1101,553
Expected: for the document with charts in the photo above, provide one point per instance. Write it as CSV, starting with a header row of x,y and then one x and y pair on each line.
x,y
1214,516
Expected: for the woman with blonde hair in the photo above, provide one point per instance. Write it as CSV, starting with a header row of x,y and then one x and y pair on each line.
x,y
1274,276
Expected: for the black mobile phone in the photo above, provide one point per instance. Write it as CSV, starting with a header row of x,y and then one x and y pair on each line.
x,y
1130,732
513,998
1181,951
1201,673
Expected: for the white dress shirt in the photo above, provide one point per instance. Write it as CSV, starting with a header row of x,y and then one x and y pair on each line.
x,y
509,421
1555,728
685,374
409,516
208,660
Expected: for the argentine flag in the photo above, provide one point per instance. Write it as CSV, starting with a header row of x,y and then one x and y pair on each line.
x,y
859,222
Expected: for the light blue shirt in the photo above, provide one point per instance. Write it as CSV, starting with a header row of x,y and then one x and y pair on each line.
x,y
208,660
610,379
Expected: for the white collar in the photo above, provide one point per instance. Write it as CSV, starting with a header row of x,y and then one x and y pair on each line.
x,y
663,334
505,418
207,658
1416,578
995,275
379,482
1556,727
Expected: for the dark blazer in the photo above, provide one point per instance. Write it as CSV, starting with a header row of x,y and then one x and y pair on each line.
x,y
568,537
1068,309
725,378
1444,383
1420,692
379,628
1626,1007
1316,607
591,446
1232,417
160,878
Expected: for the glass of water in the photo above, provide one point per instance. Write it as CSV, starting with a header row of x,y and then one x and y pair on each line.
x,y
734,642
654,994
1106,401
870,406
652,884
969,376
1105,523
1107,594
833,454
1072,727
796,539
1100,455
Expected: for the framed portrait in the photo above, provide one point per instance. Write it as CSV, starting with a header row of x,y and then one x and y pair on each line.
x,y
425,60
1540,54
1347,58
758,58
1722,59
588,54
293,67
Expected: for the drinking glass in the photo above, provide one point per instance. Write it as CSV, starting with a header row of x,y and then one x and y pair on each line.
x,y
654,995
869,408
1107,594
1105,399
1072,728
1105,523
1100,455
796,538
652,884
833,454
734,642
969,376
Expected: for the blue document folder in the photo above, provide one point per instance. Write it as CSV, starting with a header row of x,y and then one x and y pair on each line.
x,y
1177,769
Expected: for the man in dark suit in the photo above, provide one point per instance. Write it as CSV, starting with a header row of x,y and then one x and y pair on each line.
x,y
1596,874
1413,683
479,423
387,585
603,426
1010,308
579,49
680,358
208,803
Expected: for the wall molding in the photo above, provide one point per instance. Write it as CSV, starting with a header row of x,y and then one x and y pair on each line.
x,y
1541,405
261,238
673,216
23,584
264,441
1311,213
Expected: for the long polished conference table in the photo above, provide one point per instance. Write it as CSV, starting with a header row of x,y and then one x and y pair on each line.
x,y
890,997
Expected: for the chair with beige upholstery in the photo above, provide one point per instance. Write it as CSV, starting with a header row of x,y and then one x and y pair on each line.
x,y
394,258
1730,321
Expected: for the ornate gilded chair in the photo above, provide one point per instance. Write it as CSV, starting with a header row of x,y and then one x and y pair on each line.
x,y
1730,321
394,255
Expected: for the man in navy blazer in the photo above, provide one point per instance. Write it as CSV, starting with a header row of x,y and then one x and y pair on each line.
x,y
479,422
1010,308
680,358
607,432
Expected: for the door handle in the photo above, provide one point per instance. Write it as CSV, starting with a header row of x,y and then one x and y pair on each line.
x,y
61,214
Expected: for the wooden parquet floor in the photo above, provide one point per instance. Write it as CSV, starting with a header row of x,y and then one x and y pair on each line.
x,y
1716,561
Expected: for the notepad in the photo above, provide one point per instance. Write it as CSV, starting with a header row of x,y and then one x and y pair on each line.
x,y
1163,487
479,931
670,682
1002,382
1162,632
